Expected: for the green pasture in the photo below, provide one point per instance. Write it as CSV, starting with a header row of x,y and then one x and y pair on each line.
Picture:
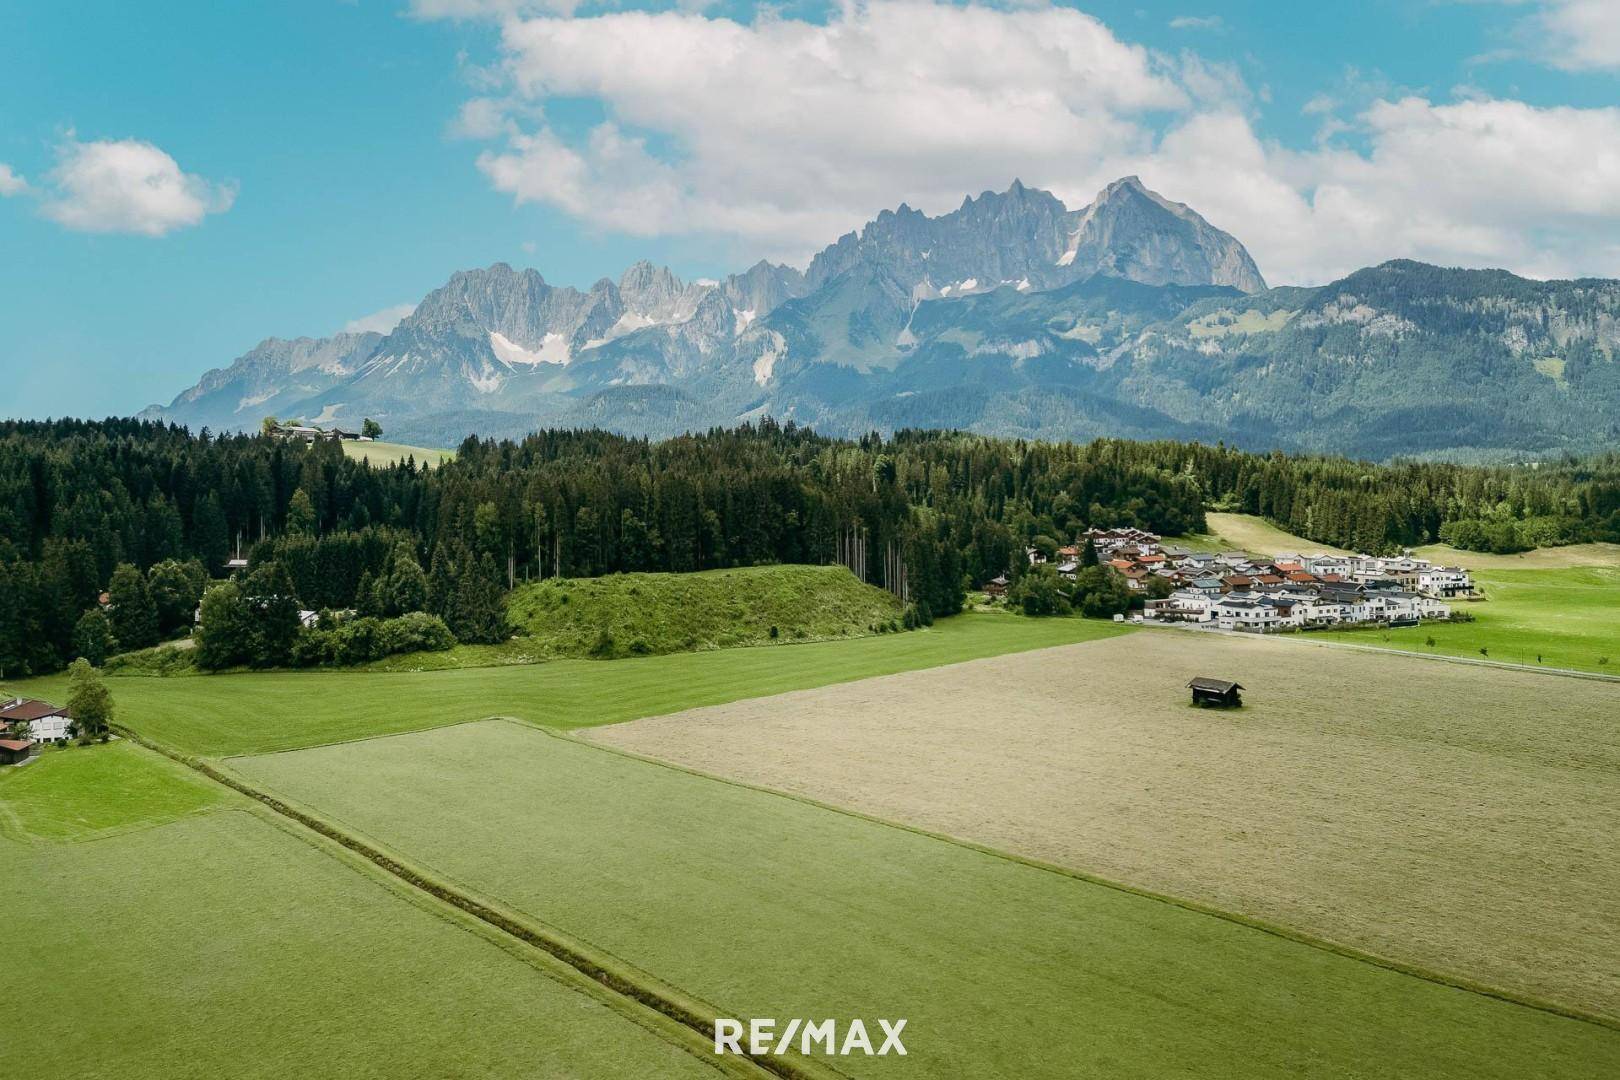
x,y
249,713
387,453
1556,618
82,792
764,905
220,944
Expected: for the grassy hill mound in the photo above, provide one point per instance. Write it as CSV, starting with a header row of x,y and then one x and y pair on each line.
x,y
645,614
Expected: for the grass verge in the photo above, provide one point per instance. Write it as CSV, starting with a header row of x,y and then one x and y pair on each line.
x,y
256,712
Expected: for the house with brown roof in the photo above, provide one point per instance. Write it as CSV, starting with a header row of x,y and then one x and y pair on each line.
x,y
15,751
46,722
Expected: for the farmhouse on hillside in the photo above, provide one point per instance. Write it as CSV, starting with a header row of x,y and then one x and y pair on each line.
x,y
46,722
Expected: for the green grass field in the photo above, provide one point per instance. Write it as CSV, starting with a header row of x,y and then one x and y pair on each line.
x,y
647,614
387,453
1244,532
85,792
258,712
218,943
1556,618
769,906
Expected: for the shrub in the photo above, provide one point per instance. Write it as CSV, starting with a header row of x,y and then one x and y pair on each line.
x,y
415,631
362,640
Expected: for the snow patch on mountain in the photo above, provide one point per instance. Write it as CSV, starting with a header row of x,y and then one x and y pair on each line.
x,y
765,363
553,350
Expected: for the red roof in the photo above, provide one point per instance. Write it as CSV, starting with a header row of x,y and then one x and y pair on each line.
x,y
15,744
32,710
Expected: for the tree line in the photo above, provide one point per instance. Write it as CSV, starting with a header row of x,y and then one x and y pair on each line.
x,y
124,506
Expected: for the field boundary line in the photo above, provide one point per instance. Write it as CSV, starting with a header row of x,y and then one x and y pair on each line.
x,y
1306,639
582,736
636,988
222,758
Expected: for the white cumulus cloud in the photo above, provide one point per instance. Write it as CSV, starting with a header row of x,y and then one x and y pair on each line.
x,y
780,134
1578,35
786,130
11,182
128,186
379,322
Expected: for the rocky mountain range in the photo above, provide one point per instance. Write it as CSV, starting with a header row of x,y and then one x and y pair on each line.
x,y
1012,314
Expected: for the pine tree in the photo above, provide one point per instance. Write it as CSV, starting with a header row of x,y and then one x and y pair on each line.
x,y
406,586
210,535
477,613
301,514
441,583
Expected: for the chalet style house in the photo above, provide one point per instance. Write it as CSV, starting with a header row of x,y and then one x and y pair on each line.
x,y
46,722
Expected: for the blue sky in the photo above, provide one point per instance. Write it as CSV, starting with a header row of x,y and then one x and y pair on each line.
x,y
179,181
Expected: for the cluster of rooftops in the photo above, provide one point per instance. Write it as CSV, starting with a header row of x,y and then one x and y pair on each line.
x,y
1236,590
309,434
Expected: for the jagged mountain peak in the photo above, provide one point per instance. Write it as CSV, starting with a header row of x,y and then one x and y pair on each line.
x,y
1133,232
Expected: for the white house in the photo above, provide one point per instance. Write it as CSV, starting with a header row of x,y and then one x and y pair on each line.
x,y
46,722
1445,581
1233,613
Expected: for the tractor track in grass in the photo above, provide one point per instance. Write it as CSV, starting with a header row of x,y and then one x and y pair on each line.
x,y
635,991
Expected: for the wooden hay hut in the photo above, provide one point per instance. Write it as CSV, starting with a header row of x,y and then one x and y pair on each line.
x,y
1216,692
14,751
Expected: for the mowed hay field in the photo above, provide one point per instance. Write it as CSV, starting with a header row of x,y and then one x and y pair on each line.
x,y
174,931
262,711
1457,818
763,905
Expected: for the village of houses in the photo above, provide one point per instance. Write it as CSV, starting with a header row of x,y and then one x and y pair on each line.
x,y
1238,591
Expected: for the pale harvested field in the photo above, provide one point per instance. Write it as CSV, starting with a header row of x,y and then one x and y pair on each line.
x,y
1459,819
1554,558
1244,532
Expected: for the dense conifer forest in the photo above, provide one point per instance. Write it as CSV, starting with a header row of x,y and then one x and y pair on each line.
x,y
150,513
